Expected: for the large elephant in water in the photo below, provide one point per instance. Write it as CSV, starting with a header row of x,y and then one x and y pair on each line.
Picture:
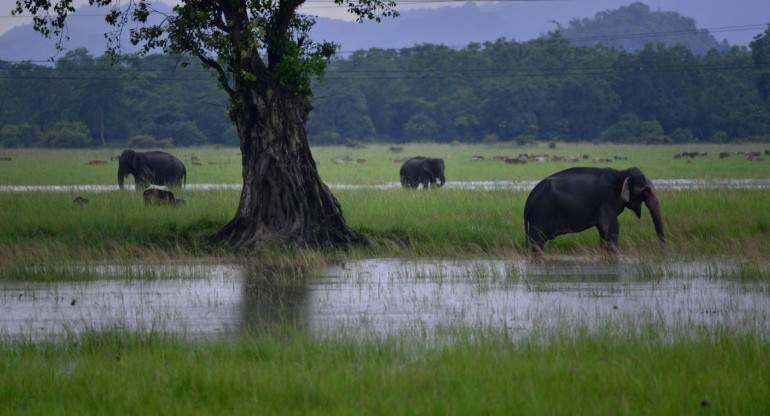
x,y
157,168
576,199
422,170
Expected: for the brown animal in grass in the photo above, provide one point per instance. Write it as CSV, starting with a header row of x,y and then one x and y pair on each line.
x,y
155,196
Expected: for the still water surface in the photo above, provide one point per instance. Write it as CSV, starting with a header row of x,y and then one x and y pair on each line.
x,y
391,297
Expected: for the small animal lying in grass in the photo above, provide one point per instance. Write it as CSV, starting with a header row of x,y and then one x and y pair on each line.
x,y
157,196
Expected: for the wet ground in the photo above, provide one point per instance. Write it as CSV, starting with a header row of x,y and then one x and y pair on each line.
x,y
391,297
661,184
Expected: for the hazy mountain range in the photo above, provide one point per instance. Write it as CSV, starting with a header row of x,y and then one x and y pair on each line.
x,y
451,26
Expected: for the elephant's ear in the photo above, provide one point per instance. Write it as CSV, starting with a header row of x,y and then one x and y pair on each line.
x,y
625,193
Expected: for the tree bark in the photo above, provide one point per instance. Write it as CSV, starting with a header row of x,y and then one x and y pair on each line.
x,y
283,198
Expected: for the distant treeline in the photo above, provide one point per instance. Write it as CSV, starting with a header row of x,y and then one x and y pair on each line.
x,y
544,89
80,101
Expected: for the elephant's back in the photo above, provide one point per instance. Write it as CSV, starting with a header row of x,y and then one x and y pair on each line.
x,y
409,163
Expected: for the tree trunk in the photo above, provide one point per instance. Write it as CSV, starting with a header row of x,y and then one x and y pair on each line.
x,y
283,198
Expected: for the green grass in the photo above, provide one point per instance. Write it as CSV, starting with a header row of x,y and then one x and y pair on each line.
x,y
47,226
223,165
642,369
479,372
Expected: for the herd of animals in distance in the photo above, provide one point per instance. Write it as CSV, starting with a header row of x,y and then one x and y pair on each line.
x,y
569,201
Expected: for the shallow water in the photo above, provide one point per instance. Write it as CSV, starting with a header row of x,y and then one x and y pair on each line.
x,y
660,184
392,297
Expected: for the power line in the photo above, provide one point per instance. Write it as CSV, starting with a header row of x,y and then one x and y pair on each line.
x,y
419,74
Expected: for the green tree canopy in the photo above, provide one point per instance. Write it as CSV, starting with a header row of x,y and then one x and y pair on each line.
x,y
263,58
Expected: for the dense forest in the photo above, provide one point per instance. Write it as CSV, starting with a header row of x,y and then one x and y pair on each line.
x,y
544,89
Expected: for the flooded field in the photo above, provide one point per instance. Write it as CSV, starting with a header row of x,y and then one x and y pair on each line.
x,y
390,297
660,184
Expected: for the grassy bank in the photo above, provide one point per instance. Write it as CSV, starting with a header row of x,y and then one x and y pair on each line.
x,y
47,227
480,373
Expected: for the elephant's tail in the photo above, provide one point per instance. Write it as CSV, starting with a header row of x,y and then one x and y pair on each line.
x,y
526,227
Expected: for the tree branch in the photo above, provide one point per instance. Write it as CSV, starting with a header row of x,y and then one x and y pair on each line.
x,y
221,74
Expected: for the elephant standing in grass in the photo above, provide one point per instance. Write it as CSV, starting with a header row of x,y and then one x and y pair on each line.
x,y
579,198
157,168
422,170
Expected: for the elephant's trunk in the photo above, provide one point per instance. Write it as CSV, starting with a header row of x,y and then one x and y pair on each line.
x,y
657,218
442,180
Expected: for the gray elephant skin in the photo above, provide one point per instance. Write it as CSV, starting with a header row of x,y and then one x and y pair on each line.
x,y
157,168
422,170
579,198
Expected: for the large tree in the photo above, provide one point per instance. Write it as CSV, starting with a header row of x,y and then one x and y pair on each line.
x,y
263,58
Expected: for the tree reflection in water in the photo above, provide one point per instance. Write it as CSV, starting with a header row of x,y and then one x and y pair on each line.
x,y
274,299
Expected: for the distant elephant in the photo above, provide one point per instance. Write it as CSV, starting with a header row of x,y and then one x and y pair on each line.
x,y
422,170
157,168
155,196
576,199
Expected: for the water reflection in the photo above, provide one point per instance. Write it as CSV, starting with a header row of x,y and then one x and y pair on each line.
x,y
393,296
274,299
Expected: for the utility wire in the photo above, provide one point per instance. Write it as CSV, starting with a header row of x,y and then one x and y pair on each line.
x,y
531,72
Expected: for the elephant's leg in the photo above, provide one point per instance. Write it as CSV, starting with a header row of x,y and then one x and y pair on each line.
x,y
608,231
141,183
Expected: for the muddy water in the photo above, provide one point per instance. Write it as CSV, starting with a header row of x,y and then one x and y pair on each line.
x,y
387,297
661,184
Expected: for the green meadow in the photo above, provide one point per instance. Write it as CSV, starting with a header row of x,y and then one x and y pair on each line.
x,y
608,373
566,369
446,222
223,165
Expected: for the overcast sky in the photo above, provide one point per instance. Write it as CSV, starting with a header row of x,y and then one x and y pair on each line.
x,y
726,19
